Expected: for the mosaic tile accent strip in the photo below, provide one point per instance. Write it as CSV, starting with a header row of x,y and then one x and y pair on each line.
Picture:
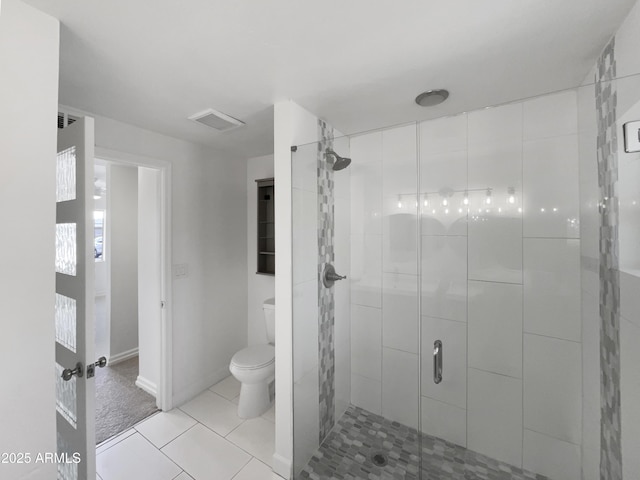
x,y
326,304
610,420
348,451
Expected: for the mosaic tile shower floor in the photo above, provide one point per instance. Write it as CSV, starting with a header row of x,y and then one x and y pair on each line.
x,y
359,435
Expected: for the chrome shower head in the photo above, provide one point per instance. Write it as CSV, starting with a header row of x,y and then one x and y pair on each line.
x,y
340,162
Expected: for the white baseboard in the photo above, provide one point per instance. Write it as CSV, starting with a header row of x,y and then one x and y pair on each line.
x,y
190,391
121,357
281,466
149,387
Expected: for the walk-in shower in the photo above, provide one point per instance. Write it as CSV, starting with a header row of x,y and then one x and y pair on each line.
x,y
464,341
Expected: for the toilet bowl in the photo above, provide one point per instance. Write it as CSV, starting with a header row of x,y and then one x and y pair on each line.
x,y
255,367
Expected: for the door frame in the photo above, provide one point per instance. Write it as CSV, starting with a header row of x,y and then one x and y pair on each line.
x,y
165,389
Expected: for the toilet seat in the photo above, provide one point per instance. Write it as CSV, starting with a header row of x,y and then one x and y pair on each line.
x,y
254,357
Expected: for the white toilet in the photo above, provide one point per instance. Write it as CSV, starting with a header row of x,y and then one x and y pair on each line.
x,y
255,367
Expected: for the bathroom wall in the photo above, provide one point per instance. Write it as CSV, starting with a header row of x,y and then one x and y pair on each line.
x,y
209,305
628,109
629,233
610,267
28,98
320,316
259,287
500,282
122,220
293,125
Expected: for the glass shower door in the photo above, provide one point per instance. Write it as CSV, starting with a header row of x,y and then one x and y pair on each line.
x,y
321,309
356,342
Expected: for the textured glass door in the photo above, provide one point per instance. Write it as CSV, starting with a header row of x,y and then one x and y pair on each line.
x,y
75,393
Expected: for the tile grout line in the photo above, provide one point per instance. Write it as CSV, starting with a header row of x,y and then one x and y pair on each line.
x,y
112,439
382,196
522,183
552,436
419,285
175,438
160,450
215,433
466,413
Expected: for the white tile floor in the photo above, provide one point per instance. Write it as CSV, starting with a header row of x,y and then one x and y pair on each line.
x,y
204,439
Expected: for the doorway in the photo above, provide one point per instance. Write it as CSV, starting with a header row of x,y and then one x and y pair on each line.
x,y
129,245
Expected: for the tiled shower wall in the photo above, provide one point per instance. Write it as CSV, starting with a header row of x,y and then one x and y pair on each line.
x,y
321,343
611,441
499,280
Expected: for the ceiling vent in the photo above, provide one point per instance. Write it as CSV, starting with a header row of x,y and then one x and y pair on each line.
x,y
216,120
64,119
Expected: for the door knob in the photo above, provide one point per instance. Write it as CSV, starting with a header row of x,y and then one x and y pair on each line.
x,y
329,276
91,369
67,373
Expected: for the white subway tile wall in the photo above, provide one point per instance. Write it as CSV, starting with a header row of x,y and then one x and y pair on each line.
x,y
494,417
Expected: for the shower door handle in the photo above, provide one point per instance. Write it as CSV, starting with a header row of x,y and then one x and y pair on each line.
x,y
437,361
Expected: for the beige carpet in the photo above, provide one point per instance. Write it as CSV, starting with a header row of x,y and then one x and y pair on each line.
x,y
119,403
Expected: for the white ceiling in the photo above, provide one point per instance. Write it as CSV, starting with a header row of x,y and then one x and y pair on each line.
x,y
357,63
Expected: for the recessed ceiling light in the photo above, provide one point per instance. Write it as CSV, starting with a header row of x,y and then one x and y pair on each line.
x,y
432,98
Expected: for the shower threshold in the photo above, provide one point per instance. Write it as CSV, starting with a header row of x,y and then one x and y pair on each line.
x,y
351,449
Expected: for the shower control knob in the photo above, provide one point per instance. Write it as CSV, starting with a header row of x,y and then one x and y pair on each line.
x,y
329,276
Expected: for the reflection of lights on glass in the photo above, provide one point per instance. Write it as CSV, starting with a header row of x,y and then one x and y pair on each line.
x,y
399,201
399,204
542,210
446,211
488,199
512,195
499,209
445,202
466,199
426,202
97,197
433,211
555,209
459,210
519,209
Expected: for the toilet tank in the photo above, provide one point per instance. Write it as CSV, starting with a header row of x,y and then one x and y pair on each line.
x,y
269,309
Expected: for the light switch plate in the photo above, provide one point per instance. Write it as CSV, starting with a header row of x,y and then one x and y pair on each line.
x,y
181,270
632,137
